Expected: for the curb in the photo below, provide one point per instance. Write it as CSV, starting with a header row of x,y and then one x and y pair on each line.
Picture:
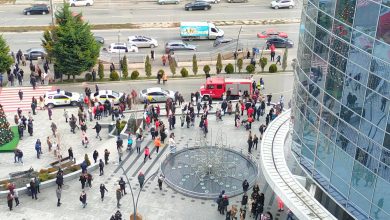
x,y
153,25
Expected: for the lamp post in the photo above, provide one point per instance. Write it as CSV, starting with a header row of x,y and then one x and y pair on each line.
x,y
236,54
135,201
52,12
119,58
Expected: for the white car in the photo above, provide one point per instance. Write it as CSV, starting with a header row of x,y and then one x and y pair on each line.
x,y
163,2
282,4
142,41
122,48
209,1
75,3
61,97
103,95
156,94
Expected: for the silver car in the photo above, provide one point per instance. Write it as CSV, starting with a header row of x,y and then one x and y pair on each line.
x,y
142,41
163,2
156,94
178,45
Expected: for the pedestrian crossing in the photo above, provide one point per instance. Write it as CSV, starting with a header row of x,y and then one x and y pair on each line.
x,y
9,97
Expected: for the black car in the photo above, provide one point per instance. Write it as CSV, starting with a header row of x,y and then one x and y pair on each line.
x,y
34,53
197,6
37,10
280,42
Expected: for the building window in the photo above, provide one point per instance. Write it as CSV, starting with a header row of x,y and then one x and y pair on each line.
x,y
366,17
345,10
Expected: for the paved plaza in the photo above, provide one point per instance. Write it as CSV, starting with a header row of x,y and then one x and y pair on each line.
x,y
153,203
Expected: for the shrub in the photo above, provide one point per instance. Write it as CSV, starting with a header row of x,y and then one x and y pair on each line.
x,y
101,70
122,125
206,70
273,68
263,63
74,168
86,159
125,70
134,74
240,64
51,170
88,77
229,68
219,64
42,171
184,72
46,176
114,76
250,69
194,64
148,67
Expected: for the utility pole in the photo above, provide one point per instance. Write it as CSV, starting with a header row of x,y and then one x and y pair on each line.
x,y
236,54
119,58
52,13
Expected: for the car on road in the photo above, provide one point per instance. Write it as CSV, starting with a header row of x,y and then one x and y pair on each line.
x,y
237,1
271,33
280,42
163,2
40,9
121,48
209,1
99,39
197,6
61,98
222,40
178,45
104,95
74,3
142,41
156,94
35,53
282,4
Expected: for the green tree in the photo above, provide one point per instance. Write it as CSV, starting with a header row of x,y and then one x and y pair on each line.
x,y
229,68
219,64
148,66
194,64
263,63
284,61
47,41
240,64
101,70
250,68
172,66
134,74
6,134
71,44
273,68
5,59
184,72
125,70
206,70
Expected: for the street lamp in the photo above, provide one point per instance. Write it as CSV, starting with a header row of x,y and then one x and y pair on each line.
x,y
52,13
119,58
236,54
135,201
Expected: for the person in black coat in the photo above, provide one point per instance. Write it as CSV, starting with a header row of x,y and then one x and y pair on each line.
x,y
101,166
60,179
103,189
122,185
95,155
244,200
82,179
98,128
245,185
33,189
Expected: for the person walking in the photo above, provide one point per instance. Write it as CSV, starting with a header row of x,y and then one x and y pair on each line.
x,y
38,148
157,144
98,128
272,48
20,93
106,155
147,153
101,167
138,142
37,184
70,153
255,141
49,112
82,179
141,179
89,180
152,54
10,201
30,127
250,144
95,155
103,189
33,189
245,185
58,194
60,179
160,181
83,198
244,201
118,198
16,197
122,185
120,153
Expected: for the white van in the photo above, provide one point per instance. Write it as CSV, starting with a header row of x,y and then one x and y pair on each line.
x,y
122,48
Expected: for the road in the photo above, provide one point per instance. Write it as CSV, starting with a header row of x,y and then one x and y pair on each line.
x,y
136,12
205,49
276,84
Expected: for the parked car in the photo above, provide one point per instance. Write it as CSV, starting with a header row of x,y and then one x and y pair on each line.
x,y
280,42
34,53
282,4
210,1
237,1
163,2
122,48
103,95
197,6
156,94
40,9
178,45
142,41
222,40
271,33
61,97
74,3
99,39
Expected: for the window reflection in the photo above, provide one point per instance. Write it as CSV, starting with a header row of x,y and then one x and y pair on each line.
x,y
325,150
382,50
327,130
371,131
339,46
382,196
342,164
321,50
357,73
362,41
376,108
345,10
385,157
363,180
331,104
380,68
353,94
309,39
334,83
359,57
366,16
327,6
383,30
349,132
322,35
309,136
339,184
324,20
384,171
337,61
345,144
366,144
342,30
350,117
379,85
358,200
318,68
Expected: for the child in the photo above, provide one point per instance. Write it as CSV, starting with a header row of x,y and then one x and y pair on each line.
x,y
278,60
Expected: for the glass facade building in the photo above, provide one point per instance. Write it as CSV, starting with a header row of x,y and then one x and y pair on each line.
x,y
341,101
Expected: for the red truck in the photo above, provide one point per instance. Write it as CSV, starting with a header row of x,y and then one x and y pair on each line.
x,y
216,87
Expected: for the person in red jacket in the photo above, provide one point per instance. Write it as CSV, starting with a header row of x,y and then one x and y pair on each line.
x,y
147,153
250,111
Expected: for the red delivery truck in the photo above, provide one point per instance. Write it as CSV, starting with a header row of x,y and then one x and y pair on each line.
x,y
215,87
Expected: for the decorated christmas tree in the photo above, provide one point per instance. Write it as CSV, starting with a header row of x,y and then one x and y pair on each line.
x,y
6,134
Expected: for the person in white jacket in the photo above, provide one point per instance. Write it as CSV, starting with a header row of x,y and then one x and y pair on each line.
x,y
172,143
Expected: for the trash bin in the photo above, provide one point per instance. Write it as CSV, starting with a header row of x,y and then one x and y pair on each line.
x,y
110,127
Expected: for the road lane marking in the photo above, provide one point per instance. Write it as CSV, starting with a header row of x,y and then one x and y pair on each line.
x,y
34,41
